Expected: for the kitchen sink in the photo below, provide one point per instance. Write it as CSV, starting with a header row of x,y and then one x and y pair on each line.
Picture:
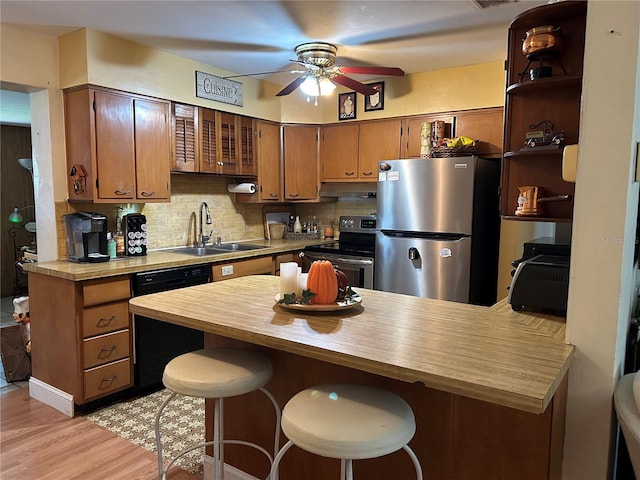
x,y
215,249
236,246
197,251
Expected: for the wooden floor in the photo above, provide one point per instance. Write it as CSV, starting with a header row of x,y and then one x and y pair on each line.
x,y
39,443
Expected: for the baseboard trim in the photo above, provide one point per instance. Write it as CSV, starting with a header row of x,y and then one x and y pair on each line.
x,y
209,471
49,395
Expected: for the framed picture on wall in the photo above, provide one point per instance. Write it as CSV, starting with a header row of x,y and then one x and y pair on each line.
x,y
347,106
375,101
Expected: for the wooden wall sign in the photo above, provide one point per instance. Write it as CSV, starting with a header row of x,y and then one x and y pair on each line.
x,y
218,89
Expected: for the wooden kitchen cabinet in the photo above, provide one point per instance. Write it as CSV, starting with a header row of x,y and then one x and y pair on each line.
x,y
185,138
241,268
339,152
301,162
268,159
118,146
528,102
379,140
411,132
226,143
81,333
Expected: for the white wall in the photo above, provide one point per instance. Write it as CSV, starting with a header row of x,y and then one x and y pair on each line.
x,y
602,280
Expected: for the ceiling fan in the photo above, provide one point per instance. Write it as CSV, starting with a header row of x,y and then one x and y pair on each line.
x,y
321,72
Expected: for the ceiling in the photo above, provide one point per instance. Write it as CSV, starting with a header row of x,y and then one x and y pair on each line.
x,y
246,37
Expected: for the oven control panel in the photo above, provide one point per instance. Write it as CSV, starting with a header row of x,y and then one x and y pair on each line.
x,y
359,224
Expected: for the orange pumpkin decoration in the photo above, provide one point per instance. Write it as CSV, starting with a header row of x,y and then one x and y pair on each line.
x,y
323,282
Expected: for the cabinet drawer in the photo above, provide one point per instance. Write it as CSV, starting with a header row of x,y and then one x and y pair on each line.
x,y
105,290
106,379
105,318
105,348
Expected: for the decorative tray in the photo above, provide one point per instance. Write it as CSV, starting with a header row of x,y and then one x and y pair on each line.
x,y
349,302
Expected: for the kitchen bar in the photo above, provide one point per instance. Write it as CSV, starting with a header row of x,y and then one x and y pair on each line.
x,y
475,363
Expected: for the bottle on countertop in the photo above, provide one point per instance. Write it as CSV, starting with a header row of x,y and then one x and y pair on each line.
x,y
297,226
111,245
314,225
119,238
292,221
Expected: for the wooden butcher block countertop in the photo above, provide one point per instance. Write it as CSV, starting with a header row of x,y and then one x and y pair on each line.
x,y
514,360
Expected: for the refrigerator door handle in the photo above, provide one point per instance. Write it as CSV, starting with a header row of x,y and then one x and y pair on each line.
x,y
413,253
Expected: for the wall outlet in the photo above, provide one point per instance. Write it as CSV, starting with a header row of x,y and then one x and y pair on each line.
x,y
227,270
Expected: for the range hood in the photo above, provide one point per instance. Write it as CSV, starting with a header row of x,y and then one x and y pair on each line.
x,y
352,189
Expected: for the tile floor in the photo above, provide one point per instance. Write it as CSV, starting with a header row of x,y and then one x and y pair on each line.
x,y
6,319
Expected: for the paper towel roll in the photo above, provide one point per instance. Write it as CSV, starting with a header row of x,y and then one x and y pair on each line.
x,y
242,188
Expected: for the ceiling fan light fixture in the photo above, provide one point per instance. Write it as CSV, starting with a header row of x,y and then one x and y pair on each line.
x,y
314,86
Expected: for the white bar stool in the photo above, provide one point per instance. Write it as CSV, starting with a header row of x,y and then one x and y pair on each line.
x,y
216,373
348,422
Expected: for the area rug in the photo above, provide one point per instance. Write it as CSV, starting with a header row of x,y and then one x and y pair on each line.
x,y
182,426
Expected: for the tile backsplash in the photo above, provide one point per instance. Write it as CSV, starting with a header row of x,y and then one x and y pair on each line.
x,y
176,223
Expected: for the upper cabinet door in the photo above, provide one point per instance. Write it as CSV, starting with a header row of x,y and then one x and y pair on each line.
x,y
246,146
115,146
185,138
153,149
300,162
209,149
339,152
268,150
228,143
379,140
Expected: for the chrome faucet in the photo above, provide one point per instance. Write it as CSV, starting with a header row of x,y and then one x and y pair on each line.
x,y
202,238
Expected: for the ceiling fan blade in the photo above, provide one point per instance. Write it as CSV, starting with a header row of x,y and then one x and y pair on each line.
x,y
354,84
264,73
291,87
387,71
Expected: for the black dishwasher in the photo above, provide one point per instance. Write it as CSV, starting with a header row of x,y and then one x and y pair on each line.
x,y
156,342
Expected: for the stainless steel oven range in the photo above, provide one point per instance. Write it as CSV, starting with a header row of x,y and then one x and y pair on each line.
x,y
353,253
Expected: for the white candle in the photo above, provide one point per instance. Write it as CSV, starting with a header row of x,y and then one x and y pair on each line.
x,y
302,283
288,278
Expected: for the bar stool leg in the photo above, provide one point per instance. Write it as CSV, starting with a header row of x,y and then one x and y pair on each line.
x,y
161,473
415,461
217,438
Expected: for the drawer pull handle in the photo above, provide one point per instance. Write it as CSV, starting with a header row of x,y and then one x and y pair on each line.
x,y
106,352
349,173
147,194
109,380
367,173
123,192
103,322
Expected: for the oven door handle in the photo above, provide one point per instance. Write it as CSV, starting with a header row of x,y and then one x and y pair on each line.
x,y
351,261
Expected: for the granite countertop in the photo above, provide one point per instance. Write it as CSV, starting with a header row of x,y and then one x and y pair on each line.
x,y
158,259
485,353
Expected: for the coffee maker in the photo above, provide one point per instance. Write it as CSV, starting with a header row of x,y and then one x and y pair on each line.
x,y
86,237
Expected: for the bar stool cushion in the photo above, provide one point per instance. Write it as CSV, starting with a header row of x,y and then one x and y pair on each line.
x,y
217,372
348,421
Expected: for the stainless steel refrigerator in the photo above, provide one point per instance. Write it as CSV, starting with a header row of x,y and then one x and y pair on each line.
x,y
439,226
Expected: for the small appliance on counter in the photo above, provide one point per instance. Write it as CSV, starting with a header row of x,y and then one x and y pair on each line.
x,y
134,228
86,237
541,277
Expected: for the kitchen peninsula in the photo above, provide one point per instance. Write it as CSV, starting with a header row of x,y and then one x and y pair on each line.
x,y
488,386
